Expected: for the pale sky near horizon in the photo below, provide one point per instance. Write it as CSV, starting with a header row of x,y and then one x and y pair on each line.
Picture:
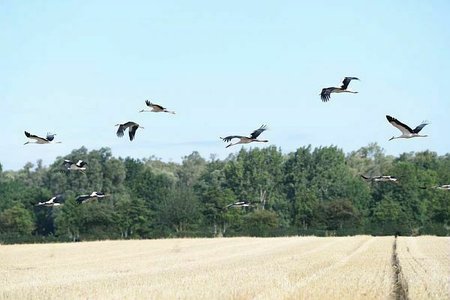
x,y
77,68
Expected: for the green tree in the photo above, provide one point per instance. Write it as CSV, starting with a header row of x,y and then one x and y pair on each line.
x,y
260,222
180,210
17,220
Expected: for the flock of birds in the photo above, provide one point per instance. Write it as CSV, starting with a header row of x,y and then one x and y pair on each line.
x,y
406,133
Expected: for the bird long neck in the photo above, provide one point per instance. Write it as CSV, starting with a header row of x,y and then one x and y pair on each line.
x,y
238,142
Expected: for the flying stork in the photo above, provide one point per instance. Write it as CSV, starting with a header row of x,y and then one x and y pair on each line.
x,y
40,140
132,127
407,132
384,178
55,201
94,195
156,108
79,166
326,92
244,139
444,187
238,204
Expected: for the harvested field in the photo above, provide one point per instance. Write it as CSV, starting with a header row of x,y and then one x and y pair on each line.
x,y
357,267
425,263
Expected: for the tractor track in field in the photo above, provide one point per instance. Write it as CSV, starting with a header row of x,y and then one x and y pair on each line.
x,y
400,286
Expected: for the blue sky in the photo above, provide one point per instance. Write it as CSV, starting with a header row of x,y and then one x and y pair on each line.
x,y
77,68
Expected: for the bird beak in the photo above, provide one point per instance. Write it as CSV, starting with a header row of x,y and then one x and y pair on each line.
x,y
391,138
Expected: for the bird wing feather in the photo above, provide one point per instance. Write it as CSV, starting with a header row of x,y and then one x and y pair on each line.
x,y
35,137
399,125
82,198
326,94
120,130
81,163
258,131
157,106
132,131
230,137
50,137
67,163
346,82
419,128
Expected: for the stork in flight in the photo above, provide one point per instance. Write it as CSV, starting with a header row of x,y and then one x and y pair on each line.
x,y
238,204
407,132
384,178
54,201
444,187
156,108
132,127
326,92
79,166
94,195
40,140
244,139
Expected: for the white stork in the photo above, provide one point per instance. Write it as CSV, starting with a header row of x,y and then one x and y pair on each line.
x,y
326,92
156,108
238,204
79,166
132,127
444,187
94,195
55,201
407,132
40,140
244,139
384,178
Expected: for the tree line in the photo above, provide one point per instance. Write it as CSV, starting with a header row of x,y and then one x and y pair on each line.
x,y
310,191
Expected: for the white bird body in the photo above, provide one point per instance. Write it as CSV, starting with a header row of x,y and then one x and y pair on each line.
x,y
244,139
406,131
238,204
40,140
55,201
383,178
156,108
444,187
86,198
79,166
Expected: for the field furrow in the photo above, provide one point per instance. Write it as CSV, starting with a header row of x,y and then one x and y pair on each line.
x,y
425,265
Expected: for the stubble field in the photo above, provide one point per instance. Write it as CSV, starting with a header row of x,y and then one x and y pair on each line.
x,y
360,267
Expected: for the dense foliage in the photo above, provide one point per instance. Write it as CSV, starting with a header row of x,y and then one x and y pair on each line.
x,y
310,191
